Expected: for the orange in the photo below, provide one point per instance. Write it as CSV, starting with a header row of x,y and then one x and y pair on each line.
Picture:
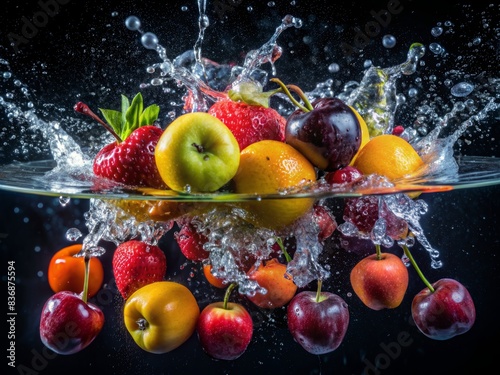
x,y
266,167
388,155
215,281
365,134
67,272
279,286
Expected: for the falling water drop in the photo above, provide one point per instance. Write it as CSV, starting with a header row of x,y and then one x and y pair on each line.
x,y
149,40
436,48
132,23
73,234
436,31
388,41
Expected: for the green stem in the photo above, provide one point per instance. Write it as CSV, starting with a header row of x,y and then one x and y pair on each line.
x,y
419,272
307,108
228,293
279,241
86,278
378,251
318,291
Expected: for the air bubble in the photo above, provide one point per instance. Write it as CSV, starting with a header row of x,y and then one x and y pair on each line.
x,y
436,48
132,23
462,89
63,201
436,31
333,68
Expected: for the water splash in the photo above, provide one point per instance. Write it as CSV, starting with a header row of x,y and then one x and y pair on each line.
x,y
375,97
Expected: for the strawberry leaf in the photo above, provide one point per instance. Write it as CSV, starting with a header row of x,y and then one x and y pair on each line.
x,y
125,105
114,119
132,116
149,115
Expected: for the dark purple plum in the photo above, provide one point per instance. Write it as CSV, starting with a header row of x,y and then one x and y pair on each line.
x,y
446,312
329,135
318,324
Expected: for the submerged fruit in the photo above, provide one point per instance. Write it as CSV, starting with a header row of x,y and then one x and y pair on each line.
x,y
161,316
267,167
388,155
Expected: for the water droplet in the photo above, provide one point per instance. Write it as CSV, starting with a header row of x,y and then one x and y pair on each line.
x,y
462,89
63,201
367,64
436,48
412,92
73,234
133,23
149,40
436,31
250,8
388,41
114,14
184,8
7,75
333,68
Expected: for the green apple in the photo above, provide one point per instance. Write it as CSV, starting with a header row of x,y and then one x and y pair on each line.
x,y
197,153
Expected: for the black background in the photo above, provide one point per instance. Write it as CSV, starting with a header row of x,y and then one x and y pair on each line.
x,y
85,53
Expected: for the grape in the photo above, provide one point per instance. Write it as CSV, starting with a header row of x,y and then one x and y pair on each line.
x,y
363,212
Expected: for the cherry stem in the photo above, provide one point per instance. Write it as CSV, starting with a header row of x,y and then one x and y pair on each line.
x,y
307,107
279,241
417,268
378,251
228,293
81,107
318,290
86,278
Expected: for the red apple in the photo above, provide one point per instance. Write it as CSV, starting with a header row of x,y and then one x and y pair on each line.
x,y
225,329
318,321
445,312
68,324
380,280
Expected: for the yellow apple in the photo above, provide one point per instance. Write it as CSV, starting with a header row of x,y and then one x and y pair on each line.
x,y
161,316
197,153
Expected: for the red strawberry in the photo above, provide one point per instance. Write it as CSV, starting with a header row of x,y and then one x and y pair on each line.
x,y
130,160
247,114
191,242
136,264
